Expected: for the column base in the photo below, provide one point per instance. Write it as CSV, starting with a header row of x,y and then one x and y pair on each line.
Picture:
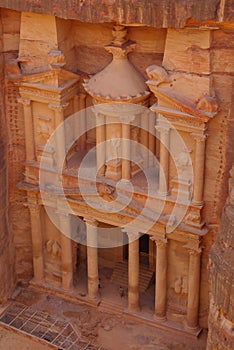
x,y
133,310
124,181
192,328
96,297
160,318
67,289
163,194
198,204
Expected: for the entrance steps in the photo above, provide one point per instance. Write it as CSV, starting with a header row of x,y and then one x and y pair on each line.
x,y
111,307
120,276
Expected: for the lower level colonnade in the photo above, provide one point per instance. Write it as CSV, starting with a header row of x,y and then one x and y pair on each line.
x,y
161,265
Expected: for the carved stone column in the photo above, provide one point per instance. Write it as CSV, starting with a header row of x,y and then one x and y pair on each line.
x,y
28,128
100,141
60,134
161,279
126,152
82,120
145,137
133,271
92,257
164,159
193,288
37,242
76,108
152,140
199,169
66,251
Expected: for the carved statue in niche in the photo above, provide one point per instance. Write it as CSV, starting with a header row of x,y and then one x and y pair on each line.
x,y
183,163
114,149
182,183
134,146
181,285
53,248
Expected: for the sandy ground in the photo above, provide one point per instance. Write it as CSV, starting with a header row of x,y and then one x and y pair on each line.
x,y
103,329
12,341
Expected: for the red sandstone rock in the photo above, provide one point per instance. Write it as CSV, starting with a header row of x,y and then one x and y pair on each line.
x,y
157,13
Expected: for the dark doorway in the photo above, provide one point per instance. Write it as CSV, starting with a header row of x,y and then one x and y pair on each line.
x,y
144,249
125,246
144,244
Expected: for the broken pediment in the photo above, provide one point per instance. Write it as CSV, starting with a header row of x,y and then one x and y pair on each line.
x,y
176,96
56,78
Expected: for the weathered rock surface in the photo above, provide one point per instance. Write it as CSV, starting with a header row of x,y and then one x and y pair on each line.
x,y
6,247
157,13
221,329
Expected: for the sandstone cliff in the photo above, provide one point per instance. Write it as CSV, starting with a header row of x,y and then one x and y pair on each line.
x,y
221,335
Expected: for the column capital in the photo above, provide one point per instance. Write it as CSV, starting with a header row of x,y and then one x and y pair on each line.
x,y
81,95
163,129
91,221
24,101
62,211
160,242
100,118
33,207
193,250
132,234
63,215
199,137
59,108
127,119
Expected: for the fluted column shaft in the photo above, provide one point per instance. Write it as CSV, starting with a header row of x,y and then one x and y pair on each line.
x,y
82,120
92,257
29,129
101,145
133,272
60,134
164,160
126,152
199,169
37,242
161,279
152,140
76,127
66,251
193,288
145,138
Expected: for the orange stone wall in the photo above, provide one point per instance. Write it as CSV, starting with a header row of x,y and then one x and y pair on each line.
x,y
82,45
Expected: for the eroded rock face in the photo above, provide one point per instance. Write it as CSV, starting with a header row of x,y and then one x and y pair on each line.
x,y
173,13
6,270
221,334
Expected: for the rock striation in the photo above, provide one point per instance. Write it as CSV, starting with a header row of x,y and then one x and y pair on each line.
x,y
221,327
173,13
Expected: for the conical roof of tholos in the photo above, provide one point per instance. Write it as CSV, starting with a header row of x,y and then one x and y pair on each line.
x,y
118,81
